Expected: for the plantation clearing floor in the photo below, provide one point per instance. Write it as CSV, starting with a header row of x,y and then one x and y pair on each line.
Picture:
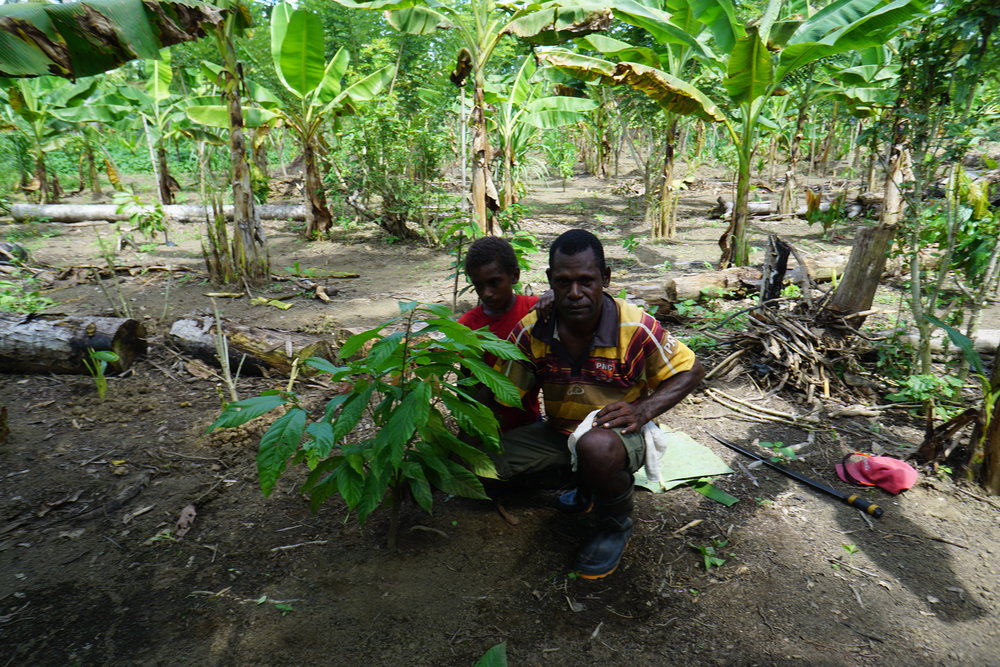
x,y
90,490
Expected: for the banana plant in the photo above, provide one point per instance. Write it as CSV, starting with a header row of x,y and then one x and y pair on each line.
x,y
43,106
750,61
481,25
520,113
297,48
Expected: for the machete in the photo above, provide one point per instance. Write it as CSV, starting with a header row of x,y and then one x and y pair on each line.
x,y
854,500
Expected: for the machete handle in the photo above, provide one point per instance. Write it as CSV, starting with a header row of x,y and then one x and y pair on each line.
x,y
866,506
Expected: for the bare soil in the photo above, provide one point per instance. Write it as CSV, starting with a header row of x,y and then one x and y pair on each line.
x,y
90,490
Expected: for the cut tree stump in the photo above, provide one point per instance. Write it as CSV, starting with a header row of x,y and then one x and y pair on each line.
x,y
177,212
59,344
264,349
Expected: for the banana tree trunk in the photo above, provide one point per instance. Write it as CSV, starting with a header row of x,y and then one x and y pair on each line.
x,y
94,175
318,216
662,227
508,177
249,251
735,251
872,158
787,204
42,176
163,172
824,159
482,184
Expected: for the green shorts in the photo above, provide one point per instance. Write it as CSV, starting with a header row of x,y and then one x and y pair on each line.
x,y
539,453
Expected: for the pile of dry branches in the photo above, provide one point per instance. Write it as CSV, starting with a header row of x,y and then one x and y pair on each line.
x,y
784,346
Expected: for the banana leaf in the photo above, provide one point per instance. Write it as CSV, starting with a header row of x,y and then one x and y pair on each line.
x,y
73,39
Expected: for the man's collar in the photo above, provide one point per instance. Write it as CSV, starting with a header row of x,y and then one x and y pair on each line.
x,y
604,336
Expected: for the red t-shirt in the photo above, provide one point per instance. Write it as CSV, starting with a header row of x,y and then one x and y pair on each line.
x,y
501,326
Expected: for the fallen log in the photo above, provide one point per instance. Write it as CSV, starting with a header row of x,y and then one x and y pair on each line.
x,y
176,212
59,344
728,283
257,349
724,208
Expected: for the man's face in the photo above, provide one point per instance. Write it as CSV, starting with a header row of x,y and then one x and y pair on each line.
x,y
494,286
577,284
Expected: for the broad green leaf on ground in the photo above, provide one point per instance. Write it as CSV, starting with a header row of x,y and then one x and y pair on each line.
x,y
496,656
685,459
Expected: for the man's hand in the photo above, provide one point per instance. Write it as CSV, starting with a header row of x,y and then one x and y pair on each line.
x,y
631,417
544,305
621,415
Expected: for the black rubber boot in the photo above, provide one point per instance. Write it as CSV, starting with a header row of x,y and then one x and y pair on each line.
x,y
577,501
602,553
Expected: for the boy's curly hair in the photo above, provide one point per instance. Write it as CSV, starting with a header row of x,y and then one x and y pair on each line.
x,y
491,249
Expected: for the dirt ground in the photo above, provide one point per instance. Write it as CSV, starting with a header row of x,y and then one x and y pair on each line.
x,y
90,490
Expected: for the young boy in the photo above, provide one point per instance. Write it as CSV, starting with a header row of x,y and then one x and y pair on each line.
x,y
493,271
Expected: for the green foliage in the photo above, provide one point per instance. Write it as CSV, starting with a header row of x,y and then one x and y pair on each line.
x,y
494,657
630,243
782,454
791,291
16,296
394,154
97,362
149,220
417,369
711,555
937,388
524,243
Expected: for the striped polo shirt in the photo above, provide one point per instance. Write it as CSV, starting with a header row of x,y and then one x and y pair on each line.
x,y
631,354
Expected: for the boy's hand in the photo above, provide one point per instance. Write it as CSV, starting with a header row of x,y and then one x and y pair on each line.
x,y
544,305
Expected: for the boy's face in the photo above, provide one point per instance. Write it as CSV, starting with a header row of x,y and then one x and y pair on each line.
x,y
495,287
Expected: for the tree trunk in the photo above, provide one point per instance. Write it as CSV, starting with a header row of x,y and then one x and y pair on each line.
x,y
775,267
176,212
318,216
991,446
255,350
42,176
249,250
95,177
508,177
662,228
856,291
735,250
484,193
824,158
58,344
787,203
167,188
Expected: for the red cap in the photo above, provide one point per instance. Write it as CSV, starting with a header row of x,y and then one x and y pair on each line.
x,y
885,472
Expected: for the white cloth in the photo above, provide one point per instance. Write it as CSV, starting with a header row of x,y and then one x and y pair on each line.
x,y
656,445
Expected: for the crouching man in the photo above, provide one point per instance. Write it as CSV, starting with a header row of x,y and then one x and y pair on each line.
x,y
596,353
